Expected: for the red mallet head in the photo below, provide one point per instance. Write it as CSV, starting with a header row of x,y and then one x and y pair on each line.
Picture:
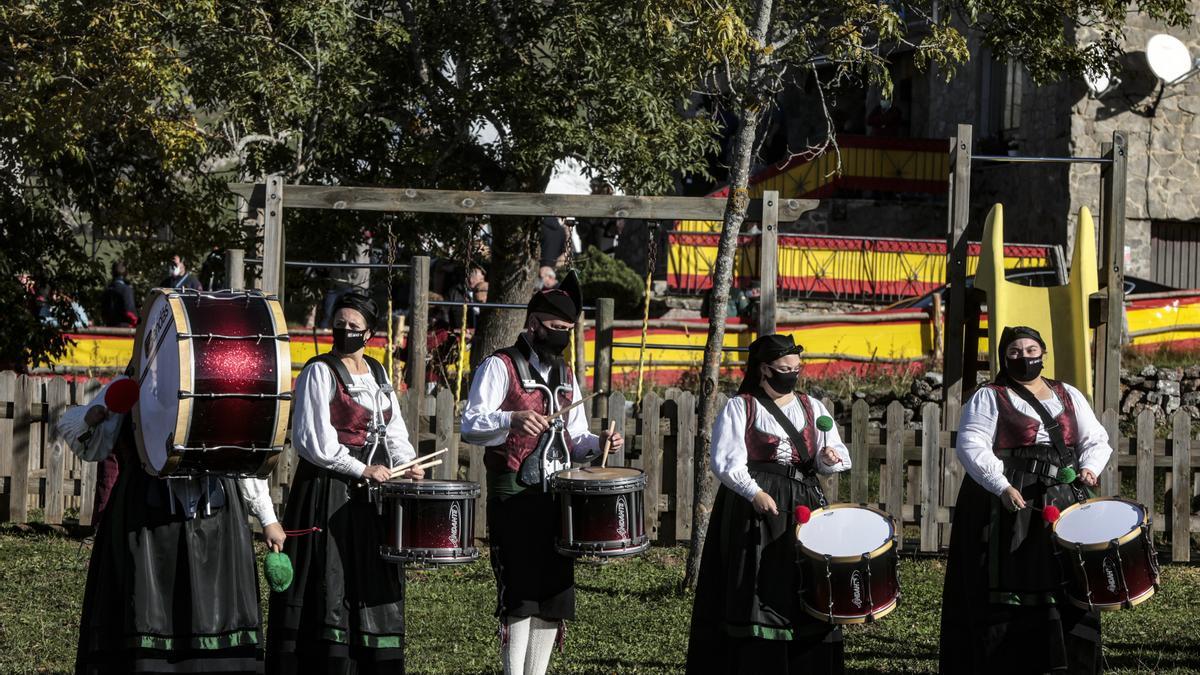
x,y
803,513
121,395
1050,514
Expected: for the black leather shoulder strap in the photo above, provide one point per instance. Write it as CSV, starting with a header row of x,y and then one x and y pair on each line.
x,y
335,364
1053,428
790,429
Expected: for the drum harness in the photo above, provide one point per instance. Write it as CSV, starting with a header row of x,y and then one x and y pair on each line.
x,y
807,469
551,453
1067,457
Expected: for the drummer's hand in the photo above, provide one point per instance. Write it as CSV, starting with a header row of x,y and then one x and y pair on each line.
x,y
529,422
378,473
1012,499
1088,478
274,536
829,456
616,442
415,472
95,415
764,504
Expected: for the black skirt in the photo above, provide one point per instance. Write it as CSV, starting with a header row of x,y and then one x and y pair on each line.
x,y
747,616
1003,606
532,579
344,612
169,594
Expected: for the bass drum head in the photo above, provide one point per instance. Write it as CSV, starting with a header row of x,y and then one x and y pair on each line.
x,y
164,367
845,530
1098,521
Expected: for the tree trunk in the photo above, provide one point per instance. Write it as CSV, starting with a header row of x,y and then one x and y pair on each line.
x,y
515,249
735,213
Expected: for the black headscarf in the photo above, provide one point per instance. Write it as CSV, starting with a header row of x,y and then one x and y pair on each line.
x,y
1008,336
765,349
361,303
564,301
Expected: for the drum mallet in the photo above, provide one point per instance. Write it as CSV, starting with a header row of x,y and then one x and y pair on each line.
x,y
612,428
825,425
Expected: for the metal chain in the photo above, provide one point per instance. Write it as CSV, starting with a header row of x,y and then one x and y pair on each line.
x,y
651,261
462,329
391,335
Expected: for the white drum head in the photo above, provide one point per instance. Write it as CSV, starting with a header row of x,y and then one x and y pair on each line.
x,y
1099,521
845,531
163,362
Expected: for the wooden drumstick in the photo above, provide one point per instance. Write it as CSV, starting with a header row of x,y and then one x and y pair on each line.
x,y
576,404
397,472
612,428
418,460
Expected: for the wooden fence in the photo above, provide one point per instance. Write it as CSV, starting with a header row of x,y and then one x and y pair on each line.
x,y
918,476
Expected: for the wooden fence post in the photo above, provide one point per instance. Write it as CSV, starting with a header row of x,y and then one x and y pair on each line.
x,y
444,436
685,448
602,368
1181,487
1110,477
931,474
652,456
829,482
57,397
417,345
1145,459
235,269
860,458
893,475
476,474
18,497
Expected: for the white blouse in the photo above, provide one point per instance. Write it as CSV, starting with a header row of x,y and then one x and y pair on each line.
x,y
729,455
313,434
484,423
977,435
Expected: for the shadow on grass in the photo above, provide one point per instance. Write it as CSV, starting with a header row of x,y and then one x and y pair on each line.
x,y
668,589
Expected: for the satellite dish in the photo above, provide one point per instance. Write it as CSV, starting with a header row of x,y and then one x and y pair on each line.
x,y
1100,83
1169,59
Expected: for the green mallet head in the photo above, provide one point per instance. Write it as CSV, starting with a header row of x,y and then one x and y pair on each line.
x,y
1066,475
277,567
824,422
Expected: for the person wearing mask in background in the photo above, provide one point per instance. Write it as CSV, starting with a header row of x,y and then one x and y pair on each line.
x,y
1003,608
178,275
344,612
117,305
508,414
747,617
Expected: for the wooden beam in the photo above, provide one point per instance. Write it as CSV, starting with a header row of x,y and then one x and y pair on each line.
x,y
417,335
768,262
272,257
602,370
519,203
956,275
1106,390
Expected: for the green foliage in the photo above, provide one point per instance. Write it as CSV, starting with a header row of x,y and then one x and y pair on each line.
x,y
631,618
603,276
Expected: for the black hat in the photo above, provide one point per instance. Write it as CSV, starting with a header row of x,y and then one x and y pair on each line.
x,y
1013,333
361,303
564,301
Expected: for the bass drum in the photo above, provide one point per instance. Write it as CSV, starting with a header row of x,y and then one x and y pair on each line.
x,y
215,372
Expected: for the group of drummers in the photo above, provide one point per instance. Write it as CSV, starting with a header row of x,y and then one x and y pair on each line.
x,y
172,584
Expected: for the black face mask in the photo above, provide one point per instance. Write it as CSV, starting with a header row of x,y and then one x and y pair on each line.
x,y
348,341
550,343
1024,368
784,383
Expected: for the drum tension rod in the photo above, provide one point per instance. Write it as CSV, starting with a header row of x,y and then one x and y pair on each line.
x,y
285,396
217,336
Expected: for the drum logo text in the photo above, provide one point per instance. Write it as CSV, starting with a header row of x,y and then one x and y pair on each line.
x,y
622,518
454,520
1110,574
856,589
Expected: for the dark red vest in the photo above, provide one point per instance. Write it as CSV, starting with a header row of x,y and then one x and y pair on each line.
x,y
761,446
1015,429
349,418
508,456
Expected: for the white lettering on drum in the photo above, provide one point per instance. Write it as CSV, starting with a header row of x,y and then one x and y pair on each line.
x,y
454,521
1110,574
856,589
622,518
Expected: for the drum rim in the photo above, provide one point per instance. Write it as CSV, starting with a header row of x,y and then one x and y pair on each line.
x,y
852,619
641,547
882,549
1102,545
616,485
1114,606
467,490
184,416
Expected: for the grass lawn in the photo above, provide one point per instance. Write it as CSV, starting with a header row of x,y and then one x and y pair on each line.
x,y
631,619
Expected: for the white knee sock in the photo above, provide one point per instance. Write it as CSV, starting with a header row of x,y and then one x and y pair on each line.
x,y
541,646
514,652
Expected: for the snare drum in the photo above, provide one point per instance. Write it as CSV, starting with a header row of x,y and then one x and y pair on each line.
x,y
850,564
216,379
429,521
1107,553
602,511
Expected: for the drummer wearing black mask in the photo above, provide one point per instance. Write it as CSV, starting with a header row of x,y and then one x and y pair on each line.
x,y
344,611
766,451
509,413
1029,445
